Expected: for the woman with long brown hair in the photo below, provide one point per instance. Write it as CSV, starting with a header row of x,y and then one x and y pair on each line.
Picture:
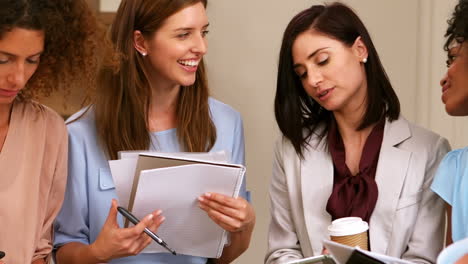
x,y
156,99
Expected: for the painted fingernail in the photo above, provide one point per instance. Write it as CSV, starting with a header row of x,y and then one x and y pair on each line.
x,y
163,218
159,212
201,199
207,194
149,217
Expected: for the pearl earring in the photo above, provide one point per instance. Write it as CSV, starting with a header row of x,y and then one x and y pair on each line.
x,y
364,60
143,53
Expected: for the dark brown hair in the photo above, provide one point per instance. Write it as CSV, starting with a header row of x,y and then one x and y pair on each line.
x,y
297,114
72,35
123,94
457,25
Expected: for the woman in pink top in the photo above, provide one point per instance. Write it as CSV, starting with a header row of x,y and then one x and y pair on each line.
x,y
44,47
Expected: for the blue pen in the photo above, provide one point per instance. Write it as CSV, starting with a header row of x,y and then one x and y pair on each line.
x,y
135,221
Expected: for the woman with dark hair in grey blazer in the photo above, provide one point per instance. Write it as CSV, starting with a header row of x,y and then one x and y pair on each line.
x,y
346,150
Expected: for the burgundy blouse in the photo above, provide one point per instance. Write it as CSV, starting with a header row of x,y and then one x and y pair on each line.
x,y
354,195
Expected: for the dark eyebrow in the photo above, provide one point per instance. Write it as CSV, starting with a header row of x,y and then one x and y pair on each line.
x,y
189,28
13,55
310,56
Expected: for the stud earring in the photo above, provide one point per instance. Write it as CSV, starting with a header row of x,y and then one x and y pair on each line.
x,y
143,53
364,60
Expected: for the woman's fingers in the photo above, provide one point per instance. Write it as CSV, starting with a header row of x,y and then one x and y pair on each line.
x,y
141,243
228,211
144,239
158,220
114,242
237,208
227,223
112,216
135,231
325,251
227,201
233,207
232,214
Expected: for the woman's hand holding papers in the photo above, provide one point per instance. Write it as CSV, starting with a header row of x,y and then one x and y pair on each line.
x,y
325,251
115,242
235,215
232,214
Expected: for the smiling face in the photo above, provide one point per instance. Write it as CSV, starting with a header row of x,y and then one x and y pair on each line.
x,y
20,51
175,50
455,83
331,72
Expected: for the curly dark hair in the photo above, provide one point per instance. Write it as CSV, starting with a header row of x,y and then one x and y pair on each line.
x,y
72,36
458,25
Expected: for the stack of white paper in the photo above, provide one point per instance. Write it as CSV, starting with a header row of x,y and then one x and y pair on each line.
x,y
172,182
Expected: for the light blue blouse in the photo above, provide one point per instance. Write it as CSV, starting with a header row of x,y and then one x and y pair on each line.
x,y
90,187
451,183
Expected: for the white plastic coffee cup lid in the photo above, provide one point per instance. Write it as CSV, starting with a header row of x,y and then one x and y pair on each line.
x,y
347,226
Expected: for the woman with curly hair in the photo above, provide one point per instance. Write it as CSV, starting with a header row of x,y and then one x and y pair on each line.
x,y
451,180
45,45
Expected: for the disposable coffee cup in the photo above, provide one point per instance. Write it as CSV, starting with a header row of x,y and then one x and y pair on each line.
x,y
350,231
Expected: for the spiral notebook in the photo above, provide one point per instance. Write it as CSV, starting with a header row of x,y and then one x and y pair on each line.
x,y
173,184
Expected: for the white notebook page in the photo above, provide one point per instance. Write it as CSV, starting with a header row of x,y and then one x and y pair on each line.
x,y
174,190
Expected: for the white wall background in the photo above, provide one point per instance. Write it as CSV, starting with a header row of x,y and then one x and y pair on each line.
x,y
109,5
243,52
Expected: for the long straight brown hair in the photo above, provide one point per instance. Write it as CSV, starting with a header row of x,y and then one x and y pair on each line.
x,y
123,95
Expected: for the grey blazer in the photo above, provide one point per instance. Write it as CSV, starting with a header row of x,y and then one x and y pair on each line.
x,y
408,221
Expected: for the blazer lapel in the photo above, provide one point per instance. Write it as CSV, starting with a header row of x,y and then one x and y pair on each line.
x,y
390,176
316,187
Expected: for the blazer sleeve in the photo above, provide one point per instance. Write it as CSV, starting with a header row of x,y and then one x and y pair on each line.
x,y
283,243
427,239
56,194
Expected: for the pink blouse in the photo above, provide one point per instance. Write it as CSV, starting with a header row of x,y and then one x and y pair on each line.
x,y
33,167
